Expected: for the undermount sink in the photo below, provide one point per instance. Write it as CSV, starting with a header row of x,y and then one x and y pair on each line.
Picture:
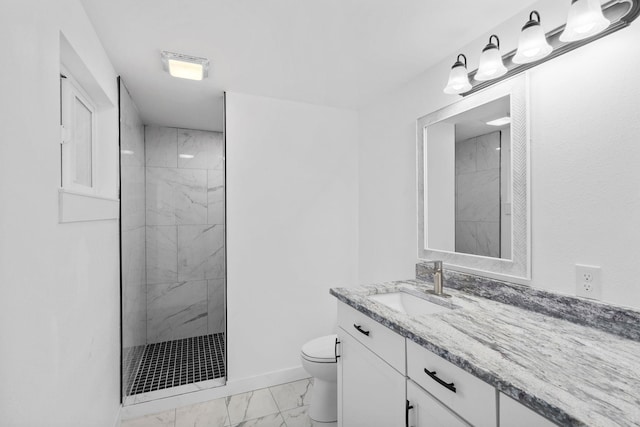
x,y
408,304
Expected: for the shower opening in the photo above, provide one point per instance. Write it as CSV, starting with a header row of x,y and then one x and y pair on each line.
x,y
173,268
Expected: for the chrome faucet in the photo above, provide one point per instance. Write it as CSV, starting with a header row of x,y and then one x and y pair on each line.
x,y
438,288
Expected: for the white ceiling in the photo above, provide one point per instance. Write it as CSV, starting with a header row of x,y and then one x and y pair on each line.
x,y
340,53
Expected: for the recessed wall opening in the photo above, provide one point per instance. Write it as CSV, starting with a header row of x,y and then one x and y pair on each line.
x,y
172,183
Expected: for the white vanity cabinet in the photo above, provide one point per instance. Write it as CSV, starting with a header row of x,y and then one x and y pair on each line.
x,y
471,398
370,392
514,414
425,411
385,380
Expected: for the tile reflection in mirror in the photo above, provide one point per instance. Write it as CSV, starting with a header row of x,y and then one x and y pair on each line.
x,y
465,181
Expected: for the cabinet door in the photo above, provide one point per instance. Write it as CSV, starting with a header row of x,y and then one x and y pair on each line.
x,y
427,411
370,392
514,414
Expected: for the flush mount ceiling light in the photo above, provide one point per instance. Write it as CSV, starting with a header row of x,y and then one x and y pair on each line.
x,y
458,78
500,122
491,65
585,20
532,44
185,66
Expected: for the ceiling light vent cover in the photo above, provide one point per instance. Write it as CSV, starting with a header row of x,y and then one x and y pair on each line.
x,y
185,66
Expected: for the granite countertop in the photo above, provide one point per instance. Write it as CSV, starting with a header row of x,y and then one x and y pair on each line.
x,y
572,374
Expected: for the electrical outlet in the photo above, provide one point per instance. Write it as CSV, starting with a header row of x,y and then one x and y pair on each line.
x,y
588,281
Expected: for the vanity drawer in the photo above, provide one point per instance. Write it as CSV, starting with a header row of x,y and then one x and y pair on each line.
x,y
473,399
381,340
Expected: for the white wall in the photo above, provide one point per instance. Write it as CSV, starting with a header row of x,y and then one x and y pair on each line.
x,y
59,283
585,152
292,227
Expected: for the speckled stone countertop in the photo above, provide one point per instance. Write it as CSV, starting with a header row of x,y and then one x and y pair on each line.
x,y
572,374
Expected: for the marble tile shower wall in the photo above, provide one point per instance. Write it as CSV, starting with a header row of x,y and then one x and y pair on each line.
x,y
478,195
184,233
134,294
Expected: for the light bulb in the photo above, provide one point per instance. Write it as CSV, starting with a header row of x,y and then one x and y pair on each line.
x,y
491,65
585,20
458,78
532,45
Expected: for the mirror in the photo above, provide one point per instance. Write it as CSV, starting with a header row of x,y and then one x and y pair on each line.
x,y
473,186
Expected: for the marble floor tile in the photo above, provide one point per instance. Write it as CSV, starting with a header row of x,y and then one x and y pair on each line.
x,y
162,419
207,414
162,254
292,395
298,418
252,405
272,420
161,146
176,310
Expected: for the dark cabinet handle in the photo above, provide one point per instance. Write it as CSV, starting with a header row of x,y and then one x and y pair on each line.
x,y
450,386
362,331
406,413
335,349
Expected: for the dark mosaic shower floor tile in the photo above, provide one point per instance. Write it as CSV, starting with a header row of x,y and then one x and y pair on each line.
x,y
179,362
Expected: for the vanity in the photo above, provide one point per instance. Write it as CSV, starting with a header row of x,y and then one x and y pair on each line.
x,y
414,359
495,353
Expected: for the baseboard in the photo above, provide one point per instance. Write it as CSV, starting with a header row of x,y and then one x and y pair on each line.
x,y
232,387
118,420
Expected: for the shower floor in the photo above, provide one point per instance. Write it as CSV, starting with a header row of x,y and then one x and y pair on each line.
x,y
179,362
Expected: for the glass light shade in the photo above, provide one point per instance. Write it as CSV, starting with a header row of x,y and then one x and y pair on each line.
x,y
532,44
458,80
491,65
585,20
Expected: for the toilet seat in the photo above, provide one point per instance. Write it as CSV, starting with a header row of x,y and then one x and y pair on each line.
x,y
320,350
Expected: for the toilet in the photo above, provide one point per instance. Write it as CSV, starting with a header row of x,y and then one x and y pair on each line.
x,y
319,360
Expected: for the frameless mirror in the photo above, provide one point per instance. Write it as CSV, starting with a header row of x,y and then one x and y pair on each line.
x,y
473,182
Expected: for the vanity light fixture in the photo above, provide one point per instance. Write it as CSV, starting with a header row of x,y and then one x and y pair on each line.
x,y
532,44
458,78
585,20
500,122
186,156
491,65
185,66
588,20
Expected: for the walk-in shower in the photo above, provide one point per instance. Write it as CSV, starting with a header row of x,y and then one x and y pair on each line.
x,y
173,257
